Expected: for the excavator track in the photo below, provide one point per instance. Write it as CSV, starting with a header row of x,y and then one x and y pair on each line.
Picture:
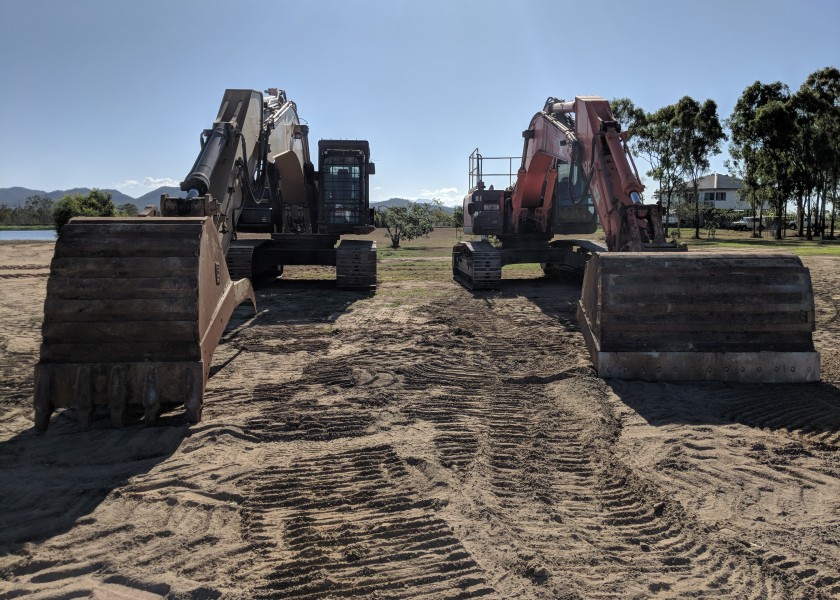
x,y
240,262
133,313
355,265
700,316
477,265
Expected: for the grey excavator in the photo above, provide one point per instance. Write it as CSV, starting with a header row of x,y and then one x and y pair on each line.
x,y
135,307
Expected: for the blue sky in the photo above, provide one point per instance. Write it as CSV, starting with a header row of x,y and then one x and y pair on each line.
x,y
114,94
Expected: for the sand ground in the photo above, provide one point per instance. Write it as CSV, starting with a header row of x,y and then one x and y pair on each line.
x,y
422,442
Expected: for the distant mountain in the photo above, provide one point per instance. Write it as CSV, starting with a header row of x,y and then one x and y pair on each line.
x,y
391,202
16,196
153,197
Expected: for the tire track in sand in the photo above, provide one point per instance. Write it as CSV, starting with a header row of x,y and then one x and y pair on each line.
x,y
352,525
758,457
551,474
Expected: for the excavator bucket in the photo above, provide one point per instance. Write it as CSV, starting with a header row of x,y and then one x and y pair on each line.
x,y
133,312
685,317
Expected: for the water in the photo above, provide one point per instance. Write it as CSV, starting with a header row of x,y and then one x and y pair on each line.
x,y
47,235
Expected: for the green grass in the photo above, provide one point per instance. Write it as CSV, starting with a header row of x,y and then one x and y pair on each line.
x,y
396,269
427,258
26,227
730,240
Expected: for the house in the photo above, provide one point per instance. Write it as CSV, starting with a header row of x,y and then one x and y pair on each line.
x,y
715,191
721,191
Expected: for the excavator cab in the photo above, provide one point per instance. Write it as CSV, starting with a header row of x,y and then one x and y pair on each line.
x,y
574,210
343,170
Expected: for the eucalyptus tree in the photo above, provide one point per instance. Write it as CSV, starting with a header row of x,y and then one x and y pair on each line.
x,y
746,145
772,137
657,142
629,116
817,106
699,134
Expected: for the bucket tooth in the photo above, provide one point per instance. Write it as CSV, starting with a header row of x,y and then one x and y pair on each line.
x,y
193,395
43,405
745,317
84,401
151,398
132,306
116,395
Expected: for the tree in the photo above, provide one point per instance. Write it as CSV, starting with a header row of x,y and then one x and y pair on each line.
x,y
409,222
698,135
440,216
458,216
127,210
37,210
656,141
761,135
628,115
817,107
95,204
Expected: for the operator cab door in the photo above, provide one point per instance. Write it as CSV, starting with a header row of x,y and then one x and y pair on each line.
x,y
574,211
342,190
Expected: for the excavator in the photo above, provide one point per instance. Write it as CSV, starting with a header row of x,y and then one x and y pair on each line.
x,y
135,307
648,310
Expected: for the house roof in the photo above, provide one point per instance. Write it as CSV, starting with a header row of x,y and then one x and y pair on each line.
x,y
718,181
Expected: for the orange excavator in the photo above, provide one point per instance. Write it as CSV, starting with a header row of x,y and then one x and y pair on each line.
x,y
648,309
136,307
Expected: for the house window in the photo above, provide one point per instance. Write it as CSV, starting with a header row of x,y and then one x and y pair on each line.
x,y
720,196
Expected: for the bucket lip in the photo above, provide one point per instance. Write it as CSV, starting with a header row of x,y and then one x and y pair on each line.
x,y
738,367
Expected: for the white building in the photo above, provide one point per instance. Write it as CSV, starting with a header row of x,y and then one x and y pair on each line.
x,y
721,191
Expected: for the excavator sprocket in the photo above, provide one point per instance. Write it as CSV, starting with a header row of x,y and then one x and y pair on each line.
x,y
745,317
133,313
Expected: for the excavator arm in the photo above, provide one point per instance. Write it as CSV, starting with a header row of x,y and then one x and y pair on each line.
x,y
629,224
582,132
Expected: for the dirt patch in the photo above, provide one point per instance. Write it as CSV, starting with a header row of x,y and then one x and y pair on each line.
x,y
422,442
